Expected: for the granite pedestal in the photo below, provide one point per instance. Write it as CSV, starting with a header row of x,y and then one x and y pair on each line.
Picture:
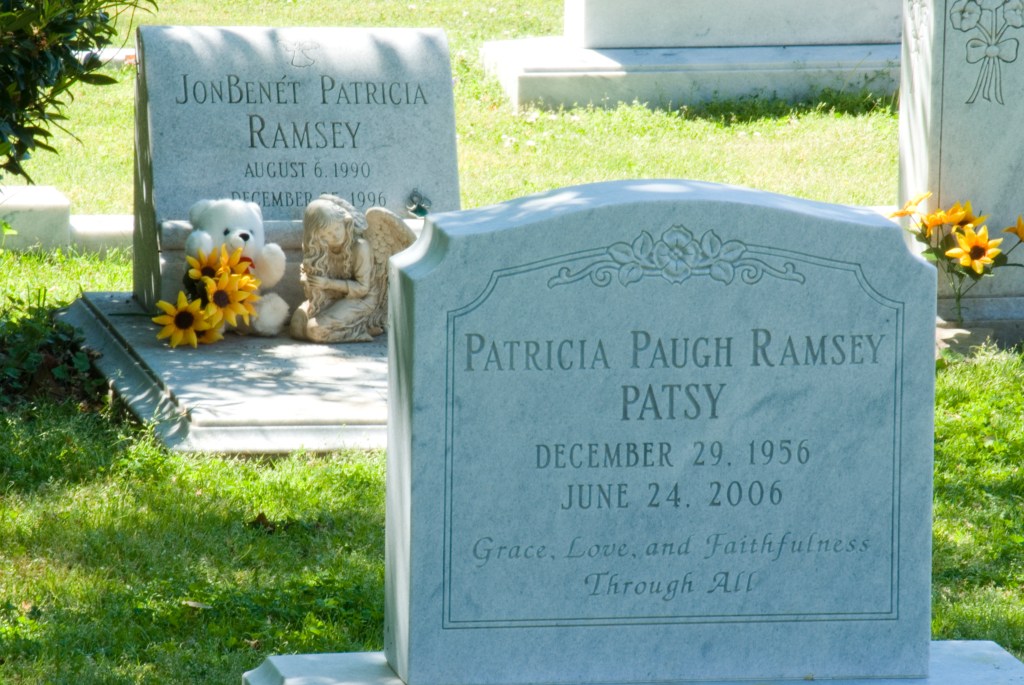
x,y
243,395
552,72
951,663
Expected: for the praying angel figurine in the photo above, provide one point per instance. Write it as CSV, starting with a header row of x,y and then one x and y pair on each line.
x,y
344,270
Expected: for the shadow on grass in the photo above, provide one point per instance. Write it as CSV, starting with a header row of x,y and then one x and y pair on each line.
x,y
159,564
44,443
746,110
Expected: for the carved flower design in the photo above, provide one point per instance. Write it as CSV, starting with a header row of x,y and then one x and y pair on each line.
x,y
988,21
633,257
722,257
676,257
965,14
676,254
1013,13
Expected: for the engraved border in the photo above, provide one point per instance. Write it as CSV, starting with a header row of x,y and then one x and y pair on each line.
x,y
589,258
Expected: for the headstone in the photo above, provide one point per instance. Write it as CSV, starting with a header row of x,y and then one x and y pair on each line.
x,y
668,53
600,24
278,117
960,106
659,431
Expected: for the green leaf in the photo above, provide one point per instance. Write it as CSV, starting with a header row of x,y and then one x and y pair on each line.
x,y
95,79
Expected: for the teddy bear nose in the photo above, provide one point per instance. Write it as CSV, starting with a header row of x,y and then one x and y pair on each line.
x,y
244,236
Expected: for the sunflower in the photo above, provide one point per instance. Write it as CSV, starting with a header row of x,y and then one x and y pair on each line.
x,y
969,217
229,296
1017,230
203,266
952,216
210,335
974,250
181,323
910,208
234,263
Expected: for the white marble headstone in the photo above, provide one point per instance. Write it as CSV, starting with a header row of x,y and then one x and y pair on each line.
x,y
715,23
657,431
278,116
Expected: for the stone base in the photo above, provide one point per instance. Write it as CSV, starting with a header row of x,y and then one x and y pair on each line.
x,y
101,232
554,73
242,395
998,319
40,215
952,663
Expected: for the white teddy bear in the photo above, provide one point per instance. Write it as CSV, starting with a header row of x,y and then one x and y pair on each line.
x,y
239,224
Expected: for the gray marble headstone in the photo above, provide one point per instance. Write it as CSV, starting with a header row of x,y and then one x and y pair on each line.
x,y
961,96
659,431
278,116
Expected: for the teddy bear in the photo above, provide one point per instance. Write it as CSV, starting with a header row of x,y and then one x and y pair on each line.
x,y
239,224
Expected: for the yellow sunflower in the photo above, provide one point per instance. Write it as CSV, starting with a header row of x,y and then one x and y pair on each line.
x,y
216,263
910,208
1017,230
952,216
203,266
974,250
230,296
181,323
968,214
210,335
234,263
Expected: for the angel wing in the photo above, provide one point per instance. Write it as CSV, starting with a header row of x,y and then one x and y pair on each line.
x,y
387,234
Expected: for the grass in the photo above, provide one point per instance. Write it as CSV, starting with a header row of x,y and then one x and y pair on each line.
x,y
123,563
978,568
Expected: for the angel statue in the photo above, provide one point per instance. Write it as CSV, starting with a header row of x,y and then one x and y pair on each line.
x,y
344,270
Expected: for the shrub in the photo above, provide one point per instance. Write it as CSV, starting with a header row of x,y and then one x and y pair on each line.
x,y
47,46
42,357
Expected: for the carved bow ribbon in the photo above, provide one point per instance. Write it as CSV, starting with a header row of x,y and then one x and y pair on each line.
x,y
979,49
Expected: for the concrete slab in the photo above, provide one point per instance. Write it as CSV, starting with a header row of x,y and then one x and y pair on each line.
x,y
39,214
101,232
951,663
244,394
555,73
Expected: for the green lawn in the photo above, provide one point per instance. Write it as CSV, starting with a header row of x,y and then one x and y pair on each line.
x,y
123,563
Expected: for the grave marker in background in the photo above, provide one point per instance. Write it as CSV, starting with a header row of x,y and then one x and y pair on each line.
x,y
669,53
960,117
279,116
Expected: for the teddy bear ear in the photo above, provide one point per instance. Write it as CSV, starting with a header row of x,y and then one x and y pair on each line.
x,y
196,211
256,210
